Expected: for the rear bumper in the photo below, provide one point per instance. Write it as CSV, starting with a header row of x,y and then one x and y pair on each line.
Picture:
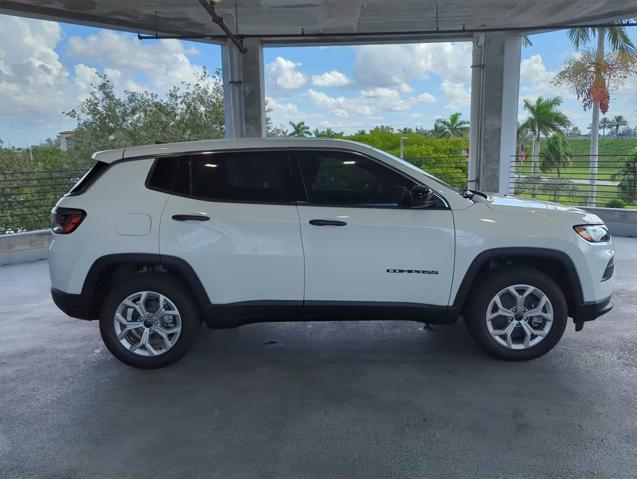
x,y
74,305
590,311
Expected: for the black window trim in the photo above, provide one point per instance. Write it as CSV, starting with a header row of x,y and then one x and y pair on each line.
x,y
296,171
179,156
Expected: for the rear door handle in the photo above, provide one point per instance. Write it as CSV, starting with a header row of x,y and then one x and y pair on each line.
x,y
327,223
191,217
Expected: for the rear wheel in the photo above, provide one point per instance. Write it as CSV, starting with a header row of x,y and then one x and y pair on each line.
x,y
149,322
517,313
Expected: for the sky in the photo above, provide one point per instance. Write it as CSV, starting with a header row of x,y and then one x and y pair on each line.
x,y
47,68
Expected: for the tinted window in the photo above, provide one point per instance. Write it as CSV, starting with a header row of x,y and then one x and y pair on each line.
x,y
260,177
89,178
163,174
335,178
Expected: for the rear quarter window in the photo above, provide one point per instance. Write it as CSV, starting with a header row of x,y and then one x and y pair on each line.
x,y
170,174
89,178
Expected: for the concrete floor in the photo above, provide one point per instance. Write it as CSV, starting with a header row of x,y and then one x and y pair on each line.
x,y
346,400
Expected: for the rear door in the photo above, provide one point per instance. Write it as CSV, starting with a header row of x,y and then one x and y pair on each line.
x,y
231,218
362,242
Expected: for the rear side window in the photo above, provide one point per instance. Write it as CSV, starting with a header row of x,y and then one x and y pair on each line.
x,y
89,178
253,177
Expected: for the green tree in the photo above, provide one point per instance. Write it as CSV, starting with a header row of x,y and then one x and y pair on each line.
x,y
327,133
617,122
544,119
107,119
557,155
604,123
627,177
299,129
454,126
593,73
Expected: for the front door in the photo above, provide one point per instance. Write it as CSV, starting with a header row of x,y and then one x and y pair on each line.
x,y
231,218
362,243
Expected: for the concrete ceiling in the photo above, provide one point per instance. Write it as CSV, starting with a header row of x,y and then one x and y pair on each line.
x,y
187,17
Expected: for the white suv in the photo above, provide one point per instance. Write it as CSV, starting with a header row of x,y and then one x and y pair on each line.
x,y
155,239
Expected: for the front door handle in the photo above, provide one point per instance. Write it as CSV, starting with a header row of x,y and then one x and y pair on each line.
x,y
191,217
327,223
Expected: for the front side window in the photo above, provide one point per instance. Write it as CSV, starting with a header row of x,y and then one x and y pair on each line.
x,y
253,177
339,178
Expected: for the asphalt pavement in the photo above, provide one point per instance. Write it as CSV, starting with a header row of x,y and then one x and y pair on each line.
x,y
315,400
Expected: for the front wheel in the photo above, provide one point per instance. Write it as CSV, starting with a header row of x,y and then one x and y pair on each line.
x,y
517,314
149,322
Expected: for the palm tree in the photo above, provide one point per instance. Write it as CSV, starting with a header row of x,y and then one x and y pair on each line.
x,y
603,124
617,122
557,156
454,126
620,43
299,129
544,119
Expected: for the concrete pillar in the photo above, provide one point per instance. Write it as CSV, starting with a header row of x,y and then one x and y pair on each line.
x,y
495,86
243,90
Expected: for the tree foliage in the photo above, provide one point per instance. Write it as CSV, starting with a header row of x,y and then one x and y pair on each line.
x,y
627,177
593,79
108,119
299,129
544,117
454,126
557,155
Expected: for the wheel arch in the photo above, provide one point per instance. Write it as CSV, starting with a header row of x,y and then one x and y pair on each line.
x,y
108,270
555,263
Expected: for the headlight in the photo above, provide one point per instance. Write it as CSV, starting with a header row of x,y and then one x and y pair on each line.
x,y
593,233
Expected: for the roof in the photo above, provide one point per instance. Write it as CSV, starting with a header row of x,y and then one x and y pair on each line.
x,y
109,156
276,17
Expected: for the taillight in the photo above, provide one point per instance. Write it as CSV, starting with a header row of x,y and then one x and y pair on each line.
x,y
66,220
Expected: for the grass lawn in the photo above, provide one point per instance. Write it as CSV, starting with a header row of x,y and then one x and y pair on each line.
x,y
613,154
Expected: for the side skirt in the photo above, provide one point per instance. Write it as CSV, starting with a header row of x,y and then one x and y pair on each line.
x,y
237,314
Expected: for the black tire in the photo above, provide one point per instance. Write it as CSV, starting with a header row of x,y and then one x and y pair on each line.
x,y
488,286
175,291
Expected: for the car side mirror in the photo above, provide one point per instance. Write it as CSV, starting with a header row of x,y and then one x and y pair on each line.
x,y
422,197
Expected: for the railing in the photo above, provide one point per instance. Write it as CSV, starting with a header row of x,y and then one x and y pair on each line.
x,y
607,180
26,197
451,169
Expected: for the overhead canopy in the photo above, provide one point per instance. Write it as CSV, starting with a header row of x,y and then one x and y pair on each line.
x,y
188,17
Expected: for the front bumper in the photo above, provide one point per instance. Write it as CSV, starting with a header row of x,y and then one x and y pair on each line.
x,y
590,311
74,305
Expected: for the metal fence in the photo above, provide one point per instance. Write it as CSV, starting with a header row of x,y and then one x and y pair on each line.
x,y
606,181
26,198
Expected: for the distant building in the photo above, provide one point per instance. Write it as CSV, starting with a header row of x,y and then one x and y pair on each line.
x,y
67,139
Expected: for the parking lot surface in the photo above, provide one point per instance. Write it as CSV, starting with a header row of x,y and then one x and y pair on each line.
x,y
315,400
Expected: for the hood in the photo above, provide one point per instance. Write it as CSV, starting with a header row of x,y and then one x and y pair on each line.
x,y
517,205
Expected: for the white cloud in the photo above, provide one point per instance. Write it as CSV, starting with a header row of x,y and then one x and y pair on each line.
x,y
34,83
332,78
393,65
426,98
282,74
341,106
458,96
536,80
164,63
36,87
